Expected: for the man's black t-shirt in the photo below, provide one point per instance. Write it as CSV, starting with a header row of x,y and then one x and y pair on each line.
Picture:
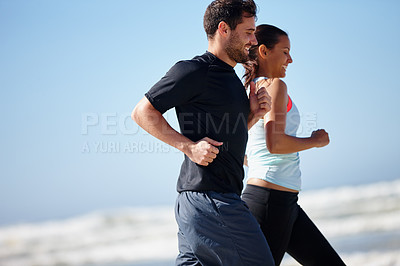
x,y
210,101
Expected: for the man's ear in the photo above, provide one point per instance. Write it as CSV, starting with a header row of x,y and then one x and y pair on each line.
x,y
223,28
263,51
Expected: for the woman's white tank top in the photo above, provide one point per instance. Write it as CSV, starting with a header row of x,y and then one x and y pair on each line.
x,y
279,169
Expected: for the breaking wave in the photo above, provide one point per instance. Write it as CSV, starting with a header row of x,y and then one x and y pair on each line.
x,y
361,222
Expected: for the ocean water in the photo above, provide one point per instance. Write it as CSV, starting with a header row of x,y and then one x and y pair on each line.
x,y
361,222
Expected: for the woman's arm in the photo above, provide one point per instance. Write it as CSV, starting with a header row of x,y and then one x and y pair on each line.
x,y
275,122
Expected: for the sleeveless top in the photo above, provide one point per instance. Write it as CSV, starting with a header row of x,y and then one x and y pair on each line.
x,y
279,169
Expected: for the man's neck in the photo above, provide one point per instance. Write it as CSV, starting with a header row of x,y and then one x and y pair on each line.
x,y
221,54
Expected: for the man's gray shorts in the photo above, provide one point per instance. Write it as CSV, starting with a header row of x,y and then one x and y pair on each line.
x,y
218,229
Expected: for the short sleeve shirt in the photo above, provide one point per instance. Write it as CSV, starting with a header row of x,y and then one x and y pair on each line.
x,y
210,101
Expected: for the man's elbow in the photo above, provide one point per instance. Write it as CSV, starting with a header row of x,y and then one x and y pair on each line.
x,y
143,109
134,114
138,110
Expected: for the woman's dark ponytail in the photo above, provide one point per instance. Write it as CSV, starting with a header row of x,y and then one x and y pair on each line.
x,y
251,66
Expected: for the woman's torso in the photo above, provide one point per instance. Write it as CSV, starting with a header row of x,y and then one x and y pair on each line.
x,y
277,171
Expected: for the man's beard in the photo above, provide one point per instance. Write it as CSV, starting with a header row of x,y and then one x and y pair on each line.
x,y
235,50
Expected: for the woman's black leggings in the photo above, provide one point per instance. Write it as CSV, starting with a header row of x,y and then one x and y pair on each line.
x,y
287,227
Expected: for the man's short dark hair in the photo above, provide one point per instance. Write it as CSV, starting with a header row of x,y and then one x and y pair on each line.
x,y
229,11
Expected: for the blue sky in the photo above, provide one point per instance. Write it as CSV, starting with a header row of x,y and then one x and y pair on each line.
x,y
72,71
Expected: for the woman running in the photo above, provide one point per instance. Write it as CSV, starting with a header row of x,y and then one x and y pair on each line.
x,y
274,178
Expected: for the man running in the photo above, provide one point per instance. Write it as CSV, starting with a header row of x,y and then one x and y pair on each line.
x,y
214,114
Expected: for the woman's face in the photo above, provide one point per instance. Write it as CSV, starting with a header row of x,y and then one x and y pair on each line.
x,y
279,58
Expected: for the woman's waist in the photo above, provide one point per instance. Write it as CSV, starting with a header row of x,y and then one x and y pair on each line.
x,y
266,184
266,159
287,176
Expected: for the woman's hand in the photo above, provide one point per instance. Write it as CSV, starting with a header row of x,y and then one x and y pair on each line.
x,y
320,137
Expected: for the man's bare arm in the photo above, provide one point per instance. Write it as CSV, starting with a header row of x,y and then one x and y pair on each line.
x,y
202,152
